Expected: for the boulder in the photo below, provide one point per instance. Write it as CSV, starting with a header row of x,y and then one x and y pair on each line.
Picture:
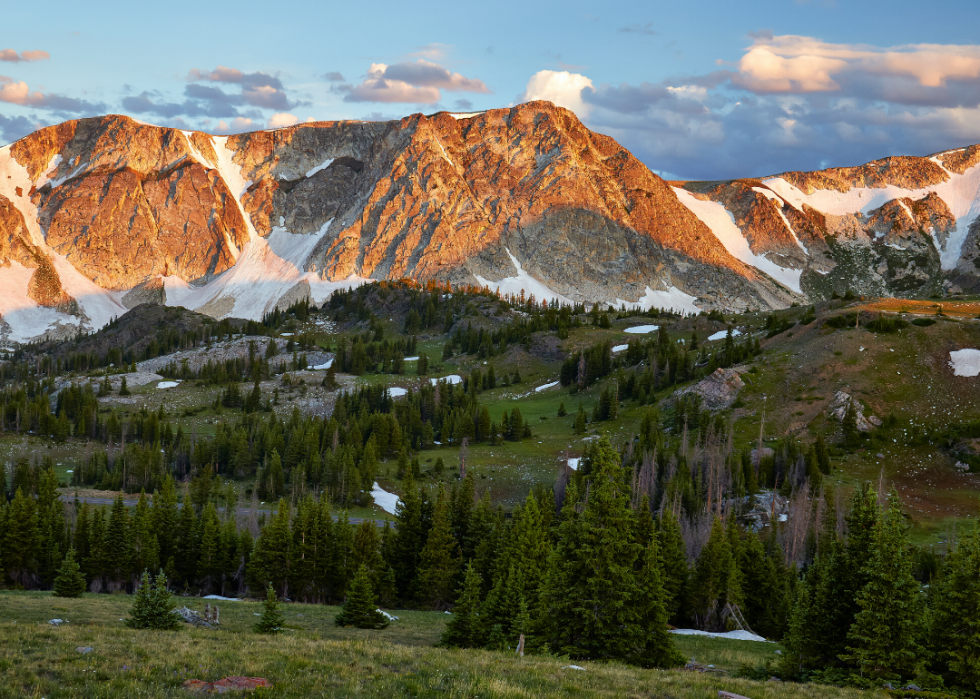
x,y
838,408
719,390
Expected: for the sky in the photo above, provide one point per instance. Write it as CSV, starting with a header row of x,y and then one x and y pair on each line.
x,y
708,89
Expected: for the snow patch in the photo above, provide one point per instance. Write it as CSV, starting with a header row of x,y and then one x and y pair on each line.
x,y
222,599
467,115
522,282
965,362
574,463
383,499
673,299
731,635
546,386
452,378
620,348
323,367
411,359
642,329
721,222
397,391
722,334
167,384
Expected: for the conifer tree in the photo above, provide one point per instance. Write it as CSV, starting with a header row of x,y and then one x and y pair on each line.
x,y
153,605
673,556
593,603
360,608
145,549
465,629
21,539
410,536
885,637
954,622
70,581
715,581
270,559
580,420
439,560
123,388
658,645
272,619
118,544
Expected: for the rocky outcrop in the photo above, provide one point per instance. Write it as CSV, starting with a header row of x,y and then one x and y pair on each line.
x,y
906,172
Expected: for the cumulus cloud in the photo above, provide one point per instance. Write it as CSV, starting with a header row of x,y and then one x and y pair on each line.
x,y
11,56
560,87
281,119
418,82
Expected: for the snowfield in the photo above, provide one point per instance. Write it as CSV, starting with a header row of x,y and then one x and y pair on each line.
x,y
673,299
960,192
397,392
965,362
546,386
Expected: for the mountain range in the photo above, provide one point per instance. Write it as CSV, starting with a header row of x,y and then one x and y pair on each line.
x,y
99,215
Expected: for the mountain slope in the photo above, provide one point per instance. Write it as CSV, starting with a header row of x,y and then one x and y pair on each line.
x,y
98,215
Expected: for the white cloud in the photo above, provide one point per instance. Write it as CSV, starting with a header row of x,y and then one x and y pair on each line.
x,y
281,119
561,87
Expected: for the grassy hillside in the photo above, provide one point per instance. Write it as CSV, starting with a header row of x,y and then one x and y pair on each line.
x,y
315,658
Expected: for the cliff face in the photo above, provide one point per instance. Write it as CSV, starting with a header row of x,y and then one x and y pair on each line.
x,y
99,214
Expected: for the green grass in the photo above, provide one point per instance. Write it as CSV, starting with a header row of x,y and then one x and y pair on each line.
x,y
315,658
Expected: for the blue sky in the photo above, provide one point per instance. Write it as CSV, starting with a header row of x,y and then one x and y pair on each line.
x,y
706,90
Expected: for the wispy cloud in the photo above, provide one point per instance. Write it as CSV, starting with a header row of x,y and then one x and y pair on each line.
x,y
416,82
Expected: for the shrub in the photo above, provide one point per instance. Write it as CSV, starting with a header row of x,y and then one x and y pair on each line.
x,y
923,322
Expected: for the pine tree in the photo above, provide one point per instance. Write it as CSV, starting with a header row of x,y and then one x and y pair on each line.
x,y
118,545
360,608
272,619
145,549
658,645
465,629
270,559
123,389
410,536
580,421
153,605
21,539
439,560
885,637
70,581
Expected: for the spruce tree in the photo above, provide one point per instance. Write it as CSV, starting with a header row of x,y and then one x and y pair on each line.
x,y
658,647
673,556
885,637
360,608
465,629
272,619
594,604
270,559
716,580
123,388
70,581
153,605
439,560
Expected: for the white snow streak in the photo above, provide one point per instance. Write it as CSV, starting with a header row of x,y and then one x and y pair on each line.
x,y
522,282
722,334
642,329
673,299
721,222
322,166
779,203
546,386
